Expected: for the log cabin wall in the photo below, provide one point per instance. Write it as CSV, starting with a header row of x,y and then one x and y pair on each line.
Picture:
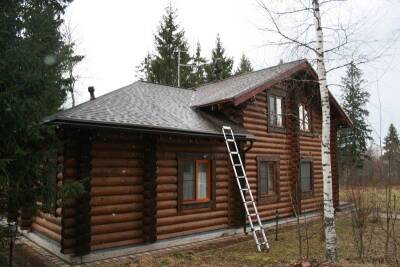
x,y
334,159
282,145
266,143
117,171
170,221
47,224
310,148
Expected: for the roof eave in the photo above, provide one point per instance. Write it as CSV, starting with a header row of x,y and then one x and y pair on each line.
x,y
142,129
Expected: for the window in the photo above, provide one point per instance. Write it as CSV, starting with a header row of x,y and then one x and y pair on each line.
x,y
275,111
304,118
268,177
196,182
306,171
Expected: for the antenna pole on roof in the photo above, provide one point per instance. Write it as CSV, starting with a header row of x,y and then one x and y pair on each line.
x,y
186,65
179,67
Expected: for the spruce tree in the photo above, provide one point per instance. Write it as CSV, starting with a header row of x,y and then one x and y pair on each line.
x,y
197,76
162,66
33,60
221,65
392,150
244,65
352,142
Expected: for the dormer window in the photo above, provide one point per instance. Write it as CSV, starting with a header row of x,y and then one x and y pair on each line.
x,y
304,118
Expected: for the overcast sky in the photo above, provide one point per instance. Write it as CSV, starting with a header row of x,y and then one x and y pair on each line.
x,y
115,35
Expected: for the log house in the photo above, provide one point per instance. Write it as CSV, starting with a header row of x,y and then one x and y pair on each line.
x,y
158,167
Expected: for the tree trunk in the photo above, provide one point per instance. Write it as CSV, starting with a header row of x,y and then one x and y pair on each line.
x,y
329,213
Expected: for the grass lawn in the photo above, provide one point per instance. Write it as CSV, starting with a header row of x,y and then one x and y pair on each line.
x,y
284,252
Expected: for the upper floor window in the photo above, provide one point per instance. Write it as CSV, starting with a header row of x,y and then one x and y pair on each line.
x,y
275,105
304,118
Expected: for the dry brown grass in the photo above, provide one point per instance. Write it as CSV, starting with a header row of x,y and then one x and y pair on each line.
x,y
284,252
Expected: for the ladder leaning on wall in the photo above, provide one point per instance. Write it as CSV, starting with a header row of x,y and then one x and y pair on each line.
x,y
249,204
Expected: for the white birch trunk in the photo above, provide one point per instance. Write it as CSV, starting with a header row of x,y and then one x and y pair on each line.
x,y
329,213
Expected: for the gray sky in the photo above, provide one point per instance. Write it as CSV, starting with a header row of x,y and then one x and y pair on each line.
x,y
115,35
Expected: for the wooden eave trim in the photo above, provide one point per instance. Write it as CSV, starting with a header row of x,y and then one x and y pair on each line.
x,y
143,129
239,99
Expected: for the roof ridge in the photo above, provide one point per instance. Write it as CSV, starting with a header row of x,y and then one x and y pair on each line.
x,y
246,73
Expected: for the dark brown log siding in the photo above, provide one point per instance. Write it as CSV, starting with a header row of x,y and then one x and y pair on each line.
x,y
279,144
267,143
116,191
170,223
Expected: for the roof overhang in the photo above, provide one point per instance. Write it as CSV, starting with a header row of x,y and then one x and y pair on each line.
x,y
142,129
303,66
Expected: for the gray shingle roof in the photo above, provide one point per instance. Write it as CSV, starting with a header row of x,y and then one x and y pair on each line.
x,y
229,88
143,104
147,105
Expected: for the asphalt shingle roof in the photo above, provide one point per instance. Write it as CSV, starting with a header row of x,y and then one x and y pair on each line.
x,y
147,105
143,104
232,87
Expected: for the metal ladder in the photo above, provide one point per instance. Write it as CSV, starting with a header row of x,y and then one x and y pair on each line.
x,y
257,228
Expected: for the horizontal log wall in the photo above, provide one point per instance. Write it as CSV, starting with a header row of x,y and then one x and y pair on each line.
x,y
280,144
335,175
310,147
116,191
169,222
267,143
48,225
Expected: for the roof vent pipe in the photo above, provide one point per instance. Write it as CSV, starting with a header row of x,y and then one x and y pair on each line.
x,y
91,91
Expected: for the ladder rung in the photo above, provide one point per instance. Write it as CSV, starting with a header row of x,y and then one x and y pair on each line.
x,y
230,140
226,127
244,189
248,202
258,228
252,214
237,164
241,177
234,153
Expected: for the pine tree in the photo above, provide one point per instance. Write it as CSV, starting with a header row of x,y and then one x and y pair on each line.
x,y
392,149
162,66
352,143
197,76
221,65
244,65
33,60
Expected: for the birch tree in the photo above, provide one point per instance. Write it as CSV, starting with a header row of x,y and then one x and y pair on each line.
x,y
299,28
329,212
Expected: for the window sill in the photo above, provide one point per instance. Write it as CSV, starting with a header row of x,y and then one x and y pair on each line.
x,y
268,199
305,133
276,129
308,194
196,205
